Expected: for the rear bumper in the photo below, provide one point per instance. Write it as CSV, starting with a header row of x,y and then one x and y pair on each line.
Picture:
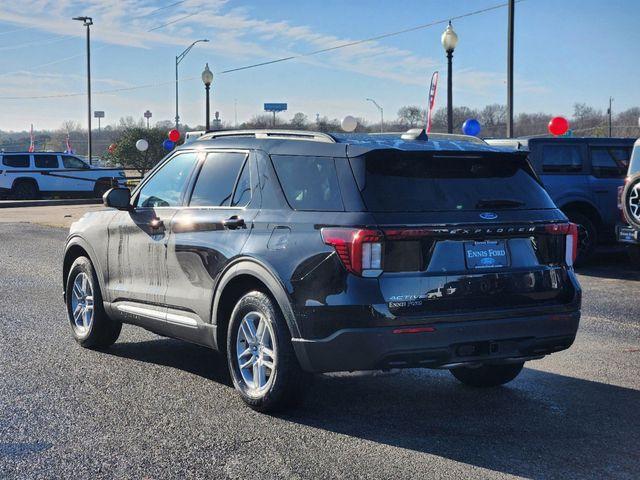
x,y
447,345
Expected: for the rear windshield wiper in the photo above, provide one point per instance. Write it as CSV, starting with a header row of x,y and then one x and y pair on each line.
x,y
499,203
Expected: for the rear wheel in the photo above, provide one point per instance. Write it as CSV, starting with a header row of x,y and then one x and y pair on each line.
x,y
487,375
25,191
101,187
90,325
262,362
587,237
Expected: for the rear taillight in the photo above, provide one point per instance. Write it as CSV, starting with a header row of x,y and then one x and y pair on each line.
x,y
360,250
571,232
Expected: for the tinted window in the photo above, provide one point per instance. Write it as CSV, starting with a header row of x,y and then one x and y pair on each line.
x,y
73,162
418,182
216,180
561,158
309,183
46,161
164,188
609,161
242,195
18,161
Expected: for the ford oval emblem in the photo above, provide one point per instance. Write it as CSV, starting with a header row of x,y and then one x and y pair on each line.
x,y
488,216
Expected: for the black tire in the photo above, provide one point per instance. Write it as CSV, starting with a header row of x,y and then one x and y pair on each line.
x,y
587,237
631,195
102,186
284,384
633,251
487,375
25,190
102,331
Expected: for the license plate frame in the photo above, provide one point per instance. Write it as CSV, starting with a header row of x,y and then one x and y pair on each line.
x,y
627,235
486,254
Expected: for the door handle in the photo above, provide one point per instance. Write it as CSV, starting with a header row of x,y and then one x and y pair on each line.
x,y
234,222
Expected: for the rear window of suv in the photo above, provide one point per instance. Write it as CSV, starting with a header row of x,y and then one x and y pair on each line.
x,y
309,183
418,182
16,161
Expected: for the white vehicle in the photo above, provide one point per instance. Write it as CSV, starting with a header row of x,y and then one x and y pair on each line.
x,y
32,175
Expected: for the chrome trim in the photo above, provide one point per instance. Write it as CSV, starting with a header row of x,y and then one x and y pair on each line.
x,y
157,315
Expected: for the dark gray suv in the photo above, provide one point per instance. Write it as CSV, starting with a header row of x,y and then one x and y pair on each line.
x,y
298,252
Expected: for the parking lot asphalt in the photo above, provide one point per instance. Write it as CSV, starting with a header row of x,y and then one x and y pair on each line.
x,y
155,408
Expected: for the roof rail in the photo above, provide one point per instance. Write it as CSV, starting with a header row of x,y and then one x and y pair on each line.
x,y
275,134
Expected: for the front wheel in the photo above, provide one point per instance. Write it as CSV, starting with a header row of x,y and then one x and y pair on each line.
x,y
261,359
487,375
90,325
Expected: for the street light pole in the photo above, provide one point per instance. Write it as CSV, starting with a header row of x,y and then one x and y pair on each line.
x,y
207,79
449,41
87,22
510,71
610,115
381,113
179,58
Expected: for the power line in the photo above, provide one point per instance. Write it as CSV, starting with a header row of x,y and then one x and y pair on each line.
x,y
35,44
270,62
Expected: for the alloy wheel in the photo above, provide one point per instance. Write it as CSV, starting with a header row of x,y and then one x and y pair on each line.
x,y
82,304
634,202
256,352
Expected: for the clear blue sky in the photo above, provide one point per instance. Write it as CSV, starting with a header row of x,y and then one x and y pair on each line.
x,y
566,52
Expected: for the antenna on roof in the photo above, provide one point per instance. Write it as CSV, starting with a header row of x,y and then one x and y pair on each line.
x,y
415,134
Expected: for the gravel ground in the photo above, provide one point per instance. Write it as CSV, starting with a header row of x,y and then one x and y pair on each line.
x,y
154,408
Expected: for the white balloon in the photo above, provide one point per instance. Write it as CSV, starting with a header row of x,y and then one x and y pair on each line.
x,y
142,145
349,123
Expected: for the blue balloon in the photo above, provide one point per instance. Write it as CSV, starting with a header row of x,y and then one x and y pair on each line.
x,y
471,126
168,144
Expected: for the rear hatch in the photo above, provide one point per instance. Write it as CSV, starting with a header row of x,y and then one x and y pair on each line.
x,y
464,232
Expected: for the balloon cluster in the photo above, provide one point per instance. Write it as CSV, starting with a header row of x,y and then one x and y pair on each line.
x,y
471,126
170,143
111,148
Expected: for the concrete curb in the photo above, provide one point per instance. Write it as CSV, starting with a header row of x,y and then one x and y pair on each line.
x,y
49,203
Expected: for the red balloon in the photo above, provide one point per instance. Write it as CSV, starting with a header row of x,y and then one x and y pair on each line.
x,y
174,135
112,148
558,126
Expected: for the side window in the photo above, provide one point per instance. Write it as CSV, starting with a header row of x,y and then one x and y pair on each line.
x,y
73,162
561,158
16,161
165,187
214,186
309,183
242,195
609,162
46,161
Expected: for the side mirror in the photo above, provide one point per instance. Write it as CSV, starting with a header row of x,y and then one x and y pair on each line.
x,y
118,197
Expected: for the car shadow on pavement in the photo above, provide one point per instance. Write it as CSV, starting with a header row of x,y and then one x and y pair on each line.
x,y
190,358
543,425
610,263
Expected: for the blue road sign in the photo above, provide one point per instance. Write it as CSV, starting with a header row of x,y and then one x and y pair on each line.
x,y
275,107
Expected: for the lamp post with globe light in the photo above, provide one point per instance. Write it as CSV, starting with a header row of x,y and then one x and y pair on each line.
x,y
207,79
449,41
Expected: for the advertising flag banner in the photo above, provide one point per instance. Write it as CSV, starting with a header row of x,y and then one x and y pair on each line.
x,y
432,99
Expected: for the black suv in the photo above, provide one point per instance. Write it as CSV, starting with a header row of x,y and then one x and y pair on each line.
x,y
296,252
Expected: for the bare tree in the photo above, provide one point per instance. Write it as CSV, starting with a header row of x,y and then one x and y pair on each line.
x,y
411,116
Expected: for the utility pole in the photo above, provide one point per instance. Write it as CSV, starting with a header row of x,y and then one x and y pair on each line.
x,y
510,70
88,21
610,114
